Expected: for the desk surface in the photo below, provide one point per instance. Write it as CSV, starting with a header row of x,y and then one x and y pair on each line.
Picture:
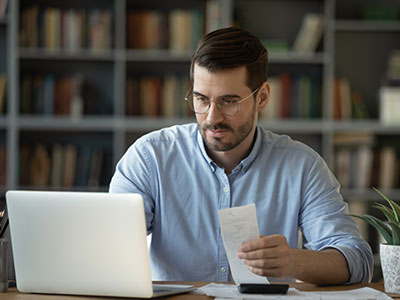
x,y
13,294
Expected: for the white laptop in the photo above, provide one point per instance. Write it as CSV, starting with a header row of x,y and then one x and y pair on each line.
x,y
82,243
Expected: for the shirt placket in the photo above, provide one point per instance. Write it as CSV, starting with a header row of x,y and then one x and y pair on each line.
x,y
224,201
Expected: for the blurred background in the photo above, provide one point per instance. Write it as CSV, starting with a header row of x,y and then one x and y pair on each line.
x,y
80,81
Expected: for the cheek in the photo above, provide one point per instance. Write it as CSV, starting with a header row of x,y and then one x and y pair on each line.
x,y
200,118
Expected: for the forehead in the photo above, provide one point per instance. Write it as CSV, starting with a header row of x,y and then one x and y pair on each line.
x,y
222,81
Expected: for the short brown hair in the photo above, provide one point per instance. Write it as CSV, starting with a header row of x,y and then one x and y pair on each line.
x,y
230,48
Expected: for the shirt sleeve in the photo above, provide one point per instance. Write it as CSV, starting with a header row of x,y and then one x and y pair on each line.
x,y
323,205
133,175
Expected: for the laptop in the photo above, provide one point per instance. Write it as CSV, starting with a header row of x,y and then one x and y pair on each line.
x,y
82,243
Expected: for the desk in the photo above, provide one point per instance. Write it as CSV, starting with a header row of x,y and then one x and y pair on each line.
x,y
13,294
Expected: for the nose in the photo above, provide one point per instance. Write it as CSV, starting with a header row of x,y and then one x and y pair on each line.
x,y
214,115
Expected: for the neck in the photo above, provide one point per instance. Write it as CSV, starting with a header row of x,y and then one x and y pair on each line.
x,y
230,159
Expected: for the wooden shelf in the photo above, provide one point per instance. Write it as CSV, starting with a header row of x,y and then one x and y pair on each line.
x,y
297,58
367,26
370,194
157,56
87,55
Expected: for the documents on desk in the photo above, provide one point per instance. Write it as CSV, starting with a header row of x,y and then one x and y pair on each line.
x,y
229,291
238,225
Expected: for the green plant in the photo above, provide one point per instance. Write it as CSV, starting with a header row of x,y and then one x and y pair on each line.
x,y
389,229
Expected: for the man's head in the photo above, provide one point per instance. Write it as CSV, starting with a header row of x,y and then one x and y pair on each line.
x,y
230,48
228,65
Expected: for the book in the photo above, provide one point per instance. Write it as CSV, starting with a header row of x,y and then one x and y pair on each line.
x,y
83,166
40,167
364,167
387,171
342,166
342,99
310,33
70,159
3,84
24,164
169,94
76,110
48,94
132,104
57,166
96,165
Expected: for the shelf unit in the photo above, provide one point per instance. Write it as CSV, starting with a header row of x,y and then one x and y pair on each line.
x,y
345,41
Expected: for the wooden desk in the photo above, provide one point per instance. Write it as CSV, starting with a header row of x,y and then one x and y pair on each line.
x,y
13,294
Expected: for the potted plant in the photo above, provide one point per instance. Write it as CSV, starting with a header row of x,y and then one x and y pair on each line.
x,y
389,251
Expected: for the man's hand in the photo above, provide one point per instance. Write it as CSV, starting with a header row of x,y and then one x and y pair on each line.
x,y
269,256
272,256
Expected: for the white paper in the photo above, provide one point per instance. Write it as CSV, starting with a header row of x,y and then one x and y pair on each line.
x,y
239,225
229,291
365,293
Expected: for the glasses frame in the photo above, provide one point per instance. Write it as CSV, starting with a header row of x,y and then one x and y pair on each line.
x,y
238,102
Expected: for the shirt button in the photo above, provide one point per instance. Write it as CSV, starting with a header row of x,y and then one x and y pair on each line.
x,y
226,189
223,270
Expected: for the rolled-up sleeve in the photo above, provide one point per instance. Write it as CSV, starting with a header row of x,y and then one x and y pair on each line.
x,y
325,222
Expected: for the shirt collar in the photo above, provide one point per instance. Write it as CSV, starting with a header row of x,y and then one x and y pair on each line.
x,y
244,164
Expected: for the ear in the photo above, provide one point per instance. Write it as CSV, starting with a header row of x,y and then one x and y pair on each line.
x,y
263,96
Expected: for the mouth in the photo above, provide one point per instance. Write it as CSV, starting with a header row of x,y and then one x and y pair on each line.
x,y
217,133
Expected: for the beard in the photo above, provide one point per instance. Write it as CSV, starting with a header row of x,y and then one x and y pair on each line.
x,y
239,135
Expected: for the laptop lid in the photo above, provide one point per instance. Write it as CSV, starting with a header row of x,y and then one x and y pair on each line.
x,y
80,243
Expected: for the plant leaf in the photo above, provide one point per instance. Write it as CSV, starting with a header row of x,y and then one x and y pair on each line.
x,y
395,233
383,229
395,207
386,211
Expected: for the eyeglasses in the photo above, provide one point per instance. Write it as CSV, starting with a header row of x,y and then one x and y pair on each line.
x,y
226,105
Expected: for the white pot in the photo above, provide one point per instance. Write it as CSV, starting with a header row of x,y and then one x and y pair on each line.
x,y
390,261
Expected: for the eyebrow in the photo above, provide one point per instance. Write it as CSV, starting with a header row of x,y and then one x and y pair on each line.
x,y
219,97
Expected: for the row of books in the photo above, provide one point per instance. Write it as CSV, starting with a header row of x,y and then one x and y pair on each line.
x,y
63,166
59,95
3,84
157,96
178,30
3,160
69,29
293,96
360,164
347,104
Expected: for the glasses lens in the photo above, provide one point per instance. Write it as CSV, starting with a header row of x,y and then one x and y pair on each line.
x,y
197,104
229,108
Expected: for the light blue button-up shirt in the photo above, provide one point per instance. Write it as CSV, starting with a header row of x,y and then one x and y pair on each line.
x,y
183,189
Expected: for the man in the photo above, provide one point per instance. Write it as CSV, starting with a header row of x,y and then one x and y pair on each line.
x,y
186,173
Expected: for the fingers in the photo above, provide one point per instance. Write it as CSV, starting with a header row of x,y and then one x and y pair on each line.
x,y
263,242
257,254
267,256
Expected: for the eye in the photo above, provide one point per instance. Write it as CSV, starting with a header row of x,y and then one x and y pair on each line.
x,y
199,98
227,101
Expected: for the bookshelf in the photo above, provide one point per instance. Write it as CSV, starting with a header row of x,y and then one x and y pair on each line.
x,y
114,68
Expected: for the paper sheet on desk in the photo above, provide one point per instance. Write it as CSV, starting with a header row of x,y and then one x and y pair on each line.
x,y
238,225
229,291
